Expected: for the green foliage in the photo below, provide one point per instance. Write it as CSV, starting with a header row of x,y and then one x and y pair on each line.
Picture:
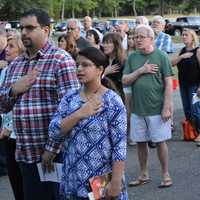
x,y
12,9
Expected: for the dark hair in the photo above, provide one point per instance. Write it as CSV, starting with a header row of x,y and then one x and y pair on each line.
x,y
116,39
41,15
95,55
71,46
131,32
95,34
60,37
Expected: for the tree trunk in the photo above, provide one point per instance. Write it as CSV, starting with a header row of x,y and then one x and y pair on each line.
x,y
63,10
116,14
162,7
134,8
99,13
73,13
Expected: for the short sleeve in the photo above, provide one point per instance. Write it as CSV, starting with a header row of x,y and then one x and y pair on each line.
x,y
166,66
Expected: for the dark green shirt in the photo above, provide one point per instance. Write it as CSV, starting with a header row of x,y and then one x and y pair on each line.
x,y
148,89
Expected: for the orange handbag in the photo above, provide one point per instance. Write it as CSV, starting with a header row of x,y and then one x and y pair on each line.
x,y
189,133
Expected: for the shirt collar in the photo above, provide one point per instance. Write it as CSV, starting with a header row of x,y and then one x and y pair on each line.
x,y
40,52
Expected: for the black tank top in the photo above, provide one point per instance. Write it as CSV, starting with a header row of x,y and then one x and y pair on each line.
x,y
189,69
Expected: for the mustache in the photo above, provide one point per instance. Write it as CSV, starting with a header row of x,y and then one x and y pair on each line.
x,y
25,38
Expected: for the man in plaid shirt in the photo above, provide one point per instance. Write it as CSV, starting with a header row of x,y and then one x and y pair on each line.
x,y
32,89
163,41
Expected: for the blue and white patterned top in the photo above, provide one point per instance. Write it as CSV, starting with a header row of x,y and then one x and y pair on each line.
x,y
93,144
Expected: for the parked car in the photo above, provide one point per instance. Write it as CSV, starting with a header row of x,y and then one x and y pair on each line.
x,y
130,22
102,26
176,28
60,26
14,24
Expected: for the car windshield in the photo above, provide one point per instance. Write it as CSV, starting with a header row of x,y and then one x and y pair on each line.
x,y
194,20
62,24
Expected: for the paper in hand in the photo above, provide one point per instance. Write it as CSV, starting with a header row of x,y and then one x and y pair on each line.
x,y
54,176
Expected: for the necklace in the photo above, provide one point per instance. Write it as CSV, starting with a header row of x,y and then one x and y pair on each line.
x,y
95,92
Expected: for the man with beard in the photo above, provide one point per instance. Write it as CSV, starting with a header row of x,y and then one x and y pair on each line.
x,y
32,89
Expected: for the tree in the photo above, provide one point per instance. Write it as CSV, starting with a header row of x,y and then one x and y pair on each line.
x,y
89,5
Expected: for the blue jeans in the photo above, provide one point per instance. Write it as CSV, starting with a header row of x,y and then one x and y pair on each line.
x,y
186,96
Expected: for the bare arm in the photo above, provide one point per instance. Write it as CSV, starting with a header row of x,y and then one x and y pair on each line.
x,y
177,58
198,58
167,105
115,186
128,79
110,69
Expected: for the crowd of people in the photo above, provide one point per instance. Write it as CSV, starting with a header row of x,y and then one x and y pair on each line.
x,y
81,102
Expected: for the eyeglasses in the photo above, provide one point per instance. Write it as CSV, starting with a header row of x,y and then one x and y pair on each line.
x,y
140,37
28,28
70,29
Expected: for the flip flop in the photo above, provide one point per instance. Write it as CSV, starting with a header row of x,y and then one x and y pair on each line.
x,y
197,143
138,182
166,183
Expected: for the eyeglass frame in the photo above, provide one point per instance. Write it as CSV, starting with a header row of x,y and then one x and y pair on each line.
x,y
141,37
29,28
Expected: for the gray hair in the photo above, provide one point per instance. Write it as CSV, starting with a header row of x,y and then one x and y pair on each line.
x,y
159,18
76,21
142,20
147,28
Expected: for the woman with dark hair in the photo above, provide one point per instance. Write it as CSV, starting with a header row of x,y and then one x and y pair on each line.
x,y
112,48
62,41
92,124
93,37
68,43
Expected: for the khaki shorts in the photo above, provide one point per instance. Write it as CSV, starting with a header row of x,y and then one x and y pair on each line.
x,y
149,128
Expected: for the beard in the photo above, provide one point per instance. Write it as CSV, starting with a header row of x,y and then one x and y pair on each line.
x,y
27,42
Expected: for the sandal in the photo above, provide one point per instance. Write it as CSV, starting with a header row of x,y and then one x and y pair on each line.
x,y
138,182
166,183
197,141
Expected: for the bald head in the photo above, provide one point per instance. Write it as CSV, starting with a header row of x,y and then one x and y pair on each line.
x,y
87,22
141,20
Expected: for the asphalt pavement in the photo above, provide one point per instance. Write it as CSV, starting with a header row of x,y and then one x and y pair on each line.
x,y
184,164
